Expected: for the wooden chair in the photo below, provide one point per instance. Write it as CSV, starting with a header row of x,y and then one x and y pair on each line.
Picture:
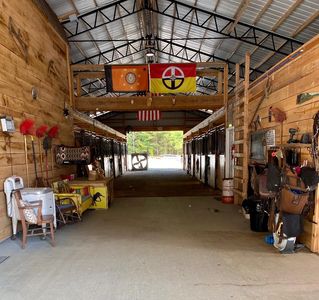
x,y
67,210
26,208
66,203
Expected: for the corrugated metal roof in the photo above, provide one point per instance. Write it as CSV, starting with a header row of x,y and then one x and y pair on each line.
x,y
185,27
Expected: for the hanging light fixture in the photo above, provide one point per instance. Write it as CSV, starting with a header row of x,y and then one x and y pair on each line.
x,y
149,46
149,52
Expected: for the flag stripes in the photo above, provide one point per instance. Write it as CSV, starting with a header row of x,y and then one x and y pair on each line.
x,y
148,115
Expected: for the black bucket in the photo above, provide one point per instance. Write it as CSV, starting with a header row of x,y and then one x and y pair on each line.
x,y
258,217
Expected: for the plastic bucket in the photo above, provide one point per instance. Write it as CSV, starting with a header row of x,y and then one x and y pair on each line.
x,y
228,193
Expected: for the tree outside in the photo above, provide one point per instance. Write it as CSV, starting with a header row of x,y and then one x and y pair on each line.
x,y
156,143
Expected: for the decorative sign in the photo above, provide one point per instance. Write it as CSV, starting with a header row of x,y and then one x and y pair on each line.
x,y
73,155
301,98
172,78
270,137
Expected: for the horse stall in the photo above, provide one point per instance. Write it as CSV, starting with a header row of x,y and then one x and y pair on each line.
x,y
206,154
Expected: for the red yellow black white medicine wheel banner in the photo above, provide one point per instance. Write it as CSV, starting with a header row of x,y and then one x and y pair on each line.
x,y
173,77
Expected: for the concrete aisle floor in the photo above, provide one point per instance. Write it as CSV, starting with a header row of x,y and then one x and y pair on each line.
x,y
157,248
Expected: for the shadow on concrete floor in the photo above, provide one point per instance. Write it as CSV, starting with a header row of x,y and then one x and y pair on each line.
x,y
160,183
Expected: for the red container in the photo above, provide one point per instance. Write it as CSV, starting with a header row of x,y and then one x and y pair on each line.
x,y
228,199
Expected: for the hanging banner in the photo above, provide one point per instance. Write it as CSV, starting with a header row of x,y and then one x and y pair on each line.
x,y
126,78
148,115
172,78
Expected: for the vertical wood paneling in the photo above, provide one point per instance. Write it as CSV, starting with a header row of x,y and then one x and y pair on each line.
x,y
45,67
299,75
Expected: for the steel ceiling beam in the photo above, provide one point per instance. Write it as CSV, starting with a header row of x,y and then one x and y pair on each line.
x,y
177,55
123,51
169,48
175,49
211,85
210,21
174,52
100,16
257,36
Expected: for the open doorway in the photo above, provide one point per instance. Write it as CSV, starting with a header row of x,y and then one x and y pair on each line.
x,y
164,148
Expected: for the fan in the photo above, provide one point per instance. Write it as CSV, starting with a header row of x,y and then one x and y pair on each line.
x,y
139,161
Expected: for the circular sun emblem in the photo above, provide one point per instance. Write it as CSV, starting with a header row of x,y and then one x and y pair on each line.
x,y
130,78
173,77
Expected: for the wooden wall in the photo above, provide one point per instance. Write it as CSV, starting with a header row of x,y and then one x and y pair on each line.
x,y
296,74
300,75
31,55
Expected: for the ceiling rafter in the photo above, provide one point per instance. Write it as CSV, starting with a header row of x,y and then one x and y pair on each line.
x,y
189,27
231,64
172,32
238,15
306,23
209,24
241,9
105,27
268,41
89,33
168,44
141,22
271,54
263,10
108,13
137,45
125,34
284,17
168,49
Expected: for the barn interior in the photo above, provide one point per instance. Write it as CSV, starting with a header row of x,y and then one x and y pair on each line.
x,y
238,218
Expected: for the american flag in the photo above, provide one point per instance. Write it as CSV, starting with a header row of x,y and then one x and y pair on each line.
x,y
148,115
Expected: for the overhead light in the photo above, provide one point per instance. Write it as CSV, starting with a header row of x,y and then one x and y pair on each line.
x,y
149,53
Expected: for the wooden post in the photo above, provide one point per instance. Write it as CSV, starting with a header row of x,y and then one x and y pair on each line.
x,y
226,94
220,82
26,160
246,120
237,77
70,78
78,86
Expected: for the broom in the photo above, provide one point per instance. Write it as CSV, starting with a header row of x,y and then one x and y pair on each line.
x,y
27,128
40,132
46,147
